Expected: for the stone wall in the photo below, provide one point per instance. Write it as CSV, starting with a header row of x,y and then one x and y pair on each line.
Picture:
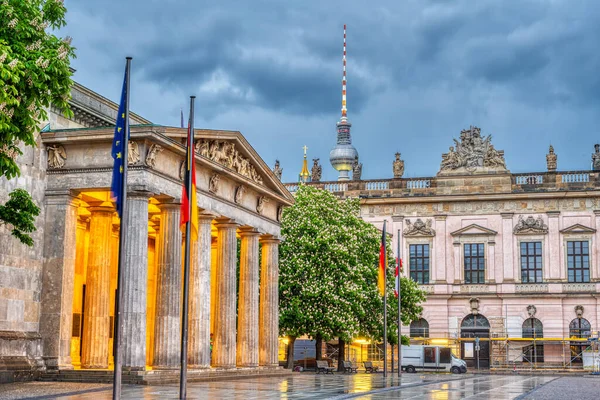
x,y
21,268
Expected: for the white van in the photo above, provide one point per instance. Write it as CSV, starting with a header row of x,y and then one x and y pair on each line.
x,y
431,358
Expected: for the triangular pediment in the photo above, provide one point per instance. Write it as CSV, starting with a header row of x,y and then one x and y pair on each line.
x,y
472,230
231,154
578,228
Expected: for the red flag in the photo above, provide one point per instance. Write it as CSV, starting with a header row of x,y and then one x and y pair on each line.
x,y
398,272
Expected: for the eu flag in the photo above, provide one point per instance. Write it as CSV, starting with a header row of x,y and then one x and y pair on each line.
x,y
119,153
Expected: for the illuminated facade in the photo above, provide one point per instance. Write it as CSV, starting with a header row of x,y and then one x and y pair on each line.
x,y
61,293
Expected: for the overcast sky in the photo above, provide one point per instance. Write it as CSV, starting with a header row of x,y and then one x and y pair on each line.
x,y
525,71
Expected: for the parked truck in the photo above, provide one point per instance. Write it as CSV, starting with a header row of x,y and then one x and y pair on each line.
x,y
431,358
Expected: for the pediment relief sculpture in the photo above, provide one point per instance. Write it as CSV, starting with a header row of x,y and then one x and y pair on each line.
x,y
578,228
225,153
474,230
239,194
56,156
260,207
472,152
133,153
154,150
419,228
213,183
530,226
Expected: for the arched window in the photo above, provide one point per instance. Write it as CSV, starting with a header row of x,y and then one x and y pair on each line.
x,y
580,328
419,328
533,328
474,321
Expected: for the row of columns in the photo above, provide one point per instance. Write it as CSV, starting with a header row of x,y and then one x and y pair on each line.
x,y
252,342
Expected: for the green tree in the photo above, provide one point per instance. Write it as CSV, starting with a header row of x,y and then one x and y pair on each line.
x,y
34,73
328,272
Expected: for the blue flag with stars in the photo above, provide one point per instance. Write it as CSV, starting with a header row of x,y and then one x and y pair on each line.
x,y
119,153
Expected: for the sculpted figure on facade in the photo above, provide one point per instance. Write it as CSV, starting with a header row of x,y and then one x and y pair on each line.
x,y
316,170
133,153
226,154
356,169
530,226
182,170
551,159
472,152
56,156
279,213
239,194
596,157
260,207
419,228
152,153
277,170
213,183
398,167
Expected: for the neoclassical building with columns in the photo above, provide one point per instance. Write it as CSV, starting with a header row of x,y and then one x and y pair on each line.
x,y
57,299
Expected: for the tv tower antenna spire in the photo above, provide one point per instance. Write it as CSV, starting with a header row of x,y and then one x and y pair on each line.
x,y
344,109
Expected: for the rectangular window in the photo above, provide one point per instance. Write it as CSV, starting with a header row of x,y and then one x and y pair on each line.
x,y
419,263
474,263
531,262
578,261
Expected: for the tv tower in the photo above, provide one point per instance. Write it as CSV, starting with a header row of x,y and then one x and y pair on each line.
x,y
343,154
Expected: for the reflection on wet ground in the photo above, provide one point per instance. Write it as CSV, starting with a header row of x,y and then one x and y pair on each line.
x,y
306,386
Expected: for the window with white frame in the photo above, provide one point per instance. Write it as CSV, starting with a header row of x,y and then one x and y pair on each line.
x,y
474,263
531,262
578,261
419,263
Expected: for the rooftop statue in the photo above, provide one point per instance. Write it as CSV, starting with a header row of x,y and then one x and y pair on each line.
x,y
356,169
473,152
316,170
551,159
277,170
596,157
398,167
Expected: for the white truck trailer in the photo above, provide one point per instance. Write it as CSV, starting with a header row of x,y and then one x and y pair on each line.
x,y
431,358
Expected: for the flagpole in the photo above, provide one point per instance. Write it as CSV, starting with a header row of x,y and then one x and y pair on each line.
x,y
384,305
399,307
186,265
122,239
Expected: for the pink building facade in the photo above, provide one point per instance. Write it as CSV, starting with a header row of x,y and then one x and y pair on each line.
x,y
510,262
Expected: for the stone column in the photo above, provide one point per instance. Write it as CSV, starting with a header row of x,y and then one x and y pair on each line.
x,y
554,245
247,340
167,328
56,319
269,302
135,282
96,320
225,329
595,263
508,271
199,328
491,273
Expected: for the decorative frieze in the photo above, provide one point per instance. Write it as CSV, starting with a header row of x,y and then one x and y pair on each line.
x,y
226,154
419,228
133,153
474,288
530,226
213,184
56,156
239,194
579,287
531,288
154,150
260,207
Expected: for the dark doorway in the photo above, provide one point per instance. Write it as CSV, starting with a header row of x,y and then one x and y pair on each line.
x,y
582,329
476,329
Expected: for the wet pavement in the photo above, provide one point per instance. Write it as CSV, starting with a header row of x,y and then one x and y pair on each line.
x,y
338,387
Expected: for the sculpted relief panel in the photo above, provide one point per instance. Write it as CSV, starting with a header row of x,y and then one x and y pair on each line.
x,y
225,153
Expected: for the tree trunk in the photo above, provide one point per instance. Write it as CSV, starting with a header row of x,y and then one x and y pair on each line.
x,y
290,352
319,347
341,354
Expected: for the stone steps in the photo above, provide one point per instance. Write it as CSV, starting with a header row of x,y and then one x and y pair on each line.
x,y
159,377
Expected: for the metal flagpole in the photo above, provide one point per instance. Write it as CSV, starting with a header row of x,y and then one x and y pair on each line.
x,y
384,304
399,308
186,265
122,239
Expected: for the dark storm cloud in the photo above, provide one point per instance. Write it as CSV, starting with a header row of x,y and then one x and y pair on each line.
x,y
525,70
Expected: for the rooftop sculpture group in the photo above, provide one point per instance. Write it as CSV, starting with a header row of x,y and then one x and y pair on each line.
x,y
472,152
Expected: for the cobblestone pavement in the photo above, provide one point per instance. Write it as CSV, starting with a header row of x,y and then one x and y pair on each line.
x,y
568,388
338,387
